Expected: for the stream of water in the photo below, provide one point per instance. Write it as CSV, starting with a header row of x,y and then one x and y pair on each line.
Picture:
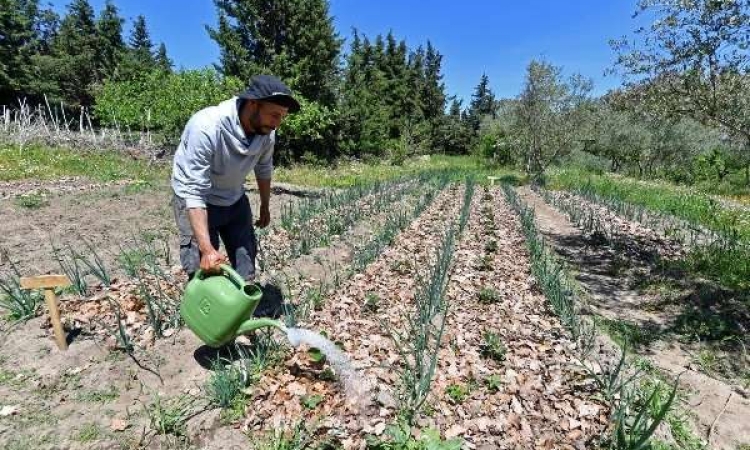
x,y
354,386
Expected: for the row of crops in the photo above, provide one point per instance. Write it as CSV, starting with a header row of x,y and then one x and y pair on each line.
x,y
433,303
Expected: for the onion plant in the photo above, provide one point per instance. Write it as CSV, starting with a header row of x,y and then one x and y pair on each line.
x,y
634,421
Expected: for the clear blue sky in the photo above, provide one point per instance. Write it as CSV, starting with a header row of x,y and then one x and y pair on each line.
x,y
495,37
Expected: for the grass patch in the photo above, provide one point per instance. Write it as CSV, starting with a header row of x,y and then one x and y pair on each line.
x,y
629,334
46,163
225,389
400,437
348,174
493,383
311,401
89,432
33,200
99,396
492,347
488,296
457,393
170,416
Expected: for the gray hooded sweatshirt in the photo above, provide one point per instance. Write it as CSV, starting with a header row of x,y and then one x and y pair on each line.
x,y
214,157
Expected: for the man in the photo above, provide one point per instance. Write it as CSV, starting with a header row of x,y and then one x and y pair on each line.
x,y
219,147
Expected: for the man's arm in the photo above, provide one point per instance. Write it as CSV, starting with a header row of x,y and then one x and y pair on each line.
x,y
264,190
210,257
191,180
263,175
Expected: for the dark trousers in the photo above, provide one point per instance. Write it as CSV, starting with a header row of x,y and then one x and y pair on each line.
x,y
233,224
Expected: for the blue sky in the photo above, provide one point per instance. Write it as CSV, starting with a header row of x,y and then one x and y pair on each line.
x,y
497,37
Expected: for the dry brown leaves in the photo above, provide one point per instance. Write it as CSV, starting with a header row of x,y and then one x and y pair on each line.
x,y
97,314
636,232
541,400
363,336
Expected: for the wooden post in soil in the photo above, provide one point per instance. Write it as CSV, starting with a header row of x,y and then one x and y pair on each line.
x,y
49,283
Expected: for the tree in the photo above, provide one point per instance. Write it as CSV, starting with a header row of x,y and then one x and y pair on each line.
x,y
17,45
550,114
139,58
141,46
455,108
482,103
693,61
43,64
365,115
73,62
111,46
293,39
162,60
433,88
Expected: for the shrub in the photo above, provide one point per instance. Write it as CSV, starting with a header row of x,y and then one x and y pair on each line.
x,y
162,101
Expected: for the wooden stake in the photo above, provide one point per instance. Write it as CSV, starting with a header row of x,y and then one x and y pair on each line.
x,y
49,283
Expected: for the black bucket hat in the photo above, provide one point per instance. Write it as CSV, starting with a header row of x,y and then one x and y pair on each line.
x,y
268,88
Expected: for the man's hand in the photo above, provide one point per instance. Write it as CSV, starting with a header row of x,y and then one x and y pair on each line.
x,y
264,218
211,260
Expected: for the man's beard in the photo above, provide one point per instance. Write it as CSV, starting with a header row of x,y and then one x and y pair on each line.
x,y
258,127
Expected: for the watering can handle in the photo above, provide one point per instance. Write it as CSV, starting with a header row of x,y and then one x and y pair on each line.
x,y
227,271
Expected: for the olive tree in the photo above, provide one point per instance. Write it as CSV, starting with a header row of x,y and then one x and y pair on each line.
x,y
693,60
550,115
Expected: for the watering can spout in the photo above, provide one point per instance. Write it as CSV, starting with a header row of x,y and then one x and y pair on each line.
x,y
254,324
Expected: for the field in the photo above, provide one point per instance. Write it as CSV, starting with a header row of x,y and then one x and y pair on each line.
x,y
472,315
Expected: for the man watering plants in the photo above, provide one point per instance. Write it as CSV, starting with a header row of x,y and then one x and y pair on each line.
x,y
219,147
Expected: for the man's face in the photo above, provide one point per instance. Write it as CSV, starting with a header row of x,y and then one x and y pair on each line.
x,y
264,117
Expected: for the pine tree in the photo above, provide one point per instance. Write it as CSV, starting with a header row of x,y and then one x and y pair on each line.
x,y
43,80
111,45
141,46
74,54
415,82
482,103
162,60
364,112
398,89
433,90
17,45
293,39
455,108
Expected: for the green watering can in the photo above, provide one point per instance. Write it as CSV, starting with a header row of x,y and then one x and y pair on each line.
x,y
218,308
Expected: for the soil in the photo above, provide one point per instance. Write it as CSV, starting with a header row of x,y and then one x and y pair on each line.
x,y
107,217
719,409
91,397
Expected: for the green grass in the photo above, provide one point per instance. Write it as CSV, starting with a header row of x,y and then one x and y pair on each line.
x,y
33,200
488,296
493,383
348,174
89,432
629,334
457,393
46,163
687,204
492,347
99,396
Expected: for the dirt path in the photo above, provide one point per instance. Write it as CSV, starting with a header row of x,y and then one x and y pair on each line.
x,y
720,410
